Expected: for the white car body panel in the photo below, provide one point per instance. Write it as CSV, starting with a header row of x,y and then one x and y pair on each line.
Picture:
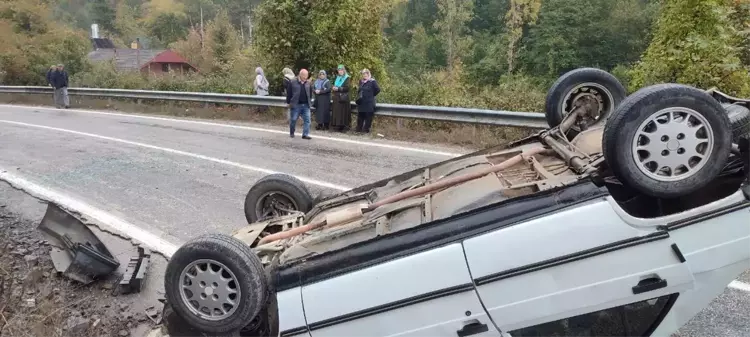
x,y
398,280
291,312
569,288
702,253
584,226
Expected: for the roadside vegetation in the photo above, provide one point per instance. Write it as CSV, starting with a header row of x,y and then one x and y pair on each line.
x,y
496,54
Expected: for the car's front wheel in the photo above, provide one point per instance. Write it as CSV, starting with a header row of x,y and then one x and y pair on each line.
x,y
216,284
667,140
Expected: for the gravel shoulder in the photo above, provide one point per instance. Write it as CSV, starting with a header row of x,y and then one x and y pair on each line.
x,y
36,301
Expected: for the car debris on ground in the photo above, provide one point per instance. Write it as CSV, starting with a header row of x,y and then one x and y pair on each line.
x,y
36,300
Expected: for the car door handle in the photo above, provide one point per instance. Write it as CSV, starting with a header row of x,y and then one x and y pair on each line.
x,y
649,284
472,327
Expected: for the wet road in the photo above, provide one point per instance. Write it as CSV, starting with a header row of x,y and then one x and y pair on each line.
x,y
182,179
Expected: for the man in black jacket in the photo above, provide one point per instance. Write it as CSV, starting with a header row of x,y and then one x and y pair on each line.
x,y
60,83
298,98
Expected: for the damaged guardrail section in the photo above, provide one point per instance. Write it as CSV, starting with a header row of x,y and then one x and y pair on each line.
x,y
446,114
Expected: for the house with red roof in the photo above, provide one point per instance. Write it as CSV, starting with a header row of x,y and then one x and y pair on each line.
x,y
147,61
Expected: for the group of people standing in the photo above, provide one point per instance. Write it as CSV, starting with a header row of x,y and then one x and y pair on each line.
x,y
331,99
57,78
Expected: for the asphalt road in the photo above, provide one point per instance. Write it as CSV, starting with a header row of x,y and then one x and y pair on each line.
x,y
182,179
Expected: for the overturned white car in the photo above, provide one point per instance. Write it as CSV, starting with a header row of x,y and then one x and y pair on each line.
x,y
625,218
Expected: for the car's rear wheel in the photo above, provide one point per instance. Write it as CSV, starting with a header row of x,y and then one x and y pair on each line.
x,y
276,195
597,88
216,284
667,140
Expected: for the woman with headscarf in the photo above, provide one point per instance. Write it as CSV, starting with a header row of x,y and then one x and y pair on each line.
x,y
288,76
322,90
261,83
368,89
341,118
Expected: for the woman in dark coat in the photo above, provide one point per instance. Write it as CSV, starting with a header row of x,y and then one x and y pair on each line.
x,y
368,89
341,118
322,89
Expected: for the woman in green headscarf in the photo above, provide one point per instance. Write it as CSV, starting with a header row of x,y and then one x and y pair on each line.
x,y
341,117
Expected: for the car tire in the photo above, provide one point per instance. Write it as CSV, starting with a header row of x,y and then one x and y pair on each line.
x,y
241,271
739,118
286,191
580,82
628,134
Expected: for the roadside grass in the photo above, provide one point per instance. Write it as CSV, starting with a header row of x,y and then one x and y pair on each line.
x,y
472,137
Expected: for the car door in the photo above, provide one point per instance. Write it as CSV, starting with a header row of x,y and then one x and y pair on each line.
x,y
579,271
429,293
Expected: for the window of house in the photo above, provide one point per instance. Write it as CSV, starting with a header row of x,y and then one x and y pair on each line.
x,y
634,319
165,67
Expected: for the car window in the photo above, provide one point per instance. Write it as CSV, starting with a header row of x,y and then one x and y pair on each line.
x,y
634,319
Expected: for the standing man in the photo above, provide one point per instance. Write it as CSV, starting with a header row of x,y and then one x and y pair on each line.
x,y
298,98
50,72
60,83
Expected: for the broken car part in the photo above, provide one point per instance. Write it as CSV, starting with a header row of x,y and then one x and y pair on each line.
x,y
132,280
76,251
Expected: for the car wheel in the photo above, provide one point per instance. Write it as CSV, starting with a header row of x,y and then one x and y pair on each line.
x,y
216,284
667,140
275,195
739,118
583,86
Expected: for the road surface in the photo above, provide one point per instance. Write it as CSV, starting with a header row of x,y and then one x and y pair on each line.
x,y
179,178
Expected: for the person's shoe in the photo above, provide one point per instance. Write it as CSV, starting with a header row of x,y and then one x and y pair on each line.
x,y
306,137
291,135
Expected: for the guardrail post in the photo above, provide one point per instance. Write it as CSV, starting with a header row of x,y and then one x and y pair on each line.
x,y
399,123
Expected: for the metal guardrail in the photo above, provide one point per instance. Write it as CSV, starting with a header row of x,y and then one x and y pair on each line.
x,y
448,114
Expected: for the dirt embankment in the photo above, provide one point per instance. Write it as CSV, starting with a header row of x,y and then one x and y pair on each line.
x,y
36,301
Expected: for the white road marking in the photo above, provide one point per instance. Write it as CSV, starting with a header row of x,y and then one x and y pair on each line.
x,y
333,139
148,239
183,153
739,285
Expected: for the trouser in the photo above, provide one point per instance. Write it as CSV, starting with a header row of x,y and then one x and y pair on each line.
x,y
364,121
297,111
61,97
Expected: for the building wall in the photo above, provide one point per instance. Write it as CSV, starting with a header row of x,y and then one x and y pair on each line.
x,y
161,68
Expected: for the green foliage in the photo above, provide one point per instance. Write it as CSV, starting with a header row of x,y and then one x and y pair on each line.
x,y
693,44
32,42
566,37
452,28
168,27
102,13
320,35
224,42
520,14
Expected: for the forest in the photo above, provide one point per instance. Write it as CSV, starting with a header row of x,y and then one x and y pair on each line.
x,y
499,54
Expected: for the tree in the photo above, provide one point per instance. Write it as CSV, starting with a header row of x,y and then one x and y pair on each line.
x,y
126,22
520,14
693,44
452,28
224,42
168,27
103,14
32,41
320,34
